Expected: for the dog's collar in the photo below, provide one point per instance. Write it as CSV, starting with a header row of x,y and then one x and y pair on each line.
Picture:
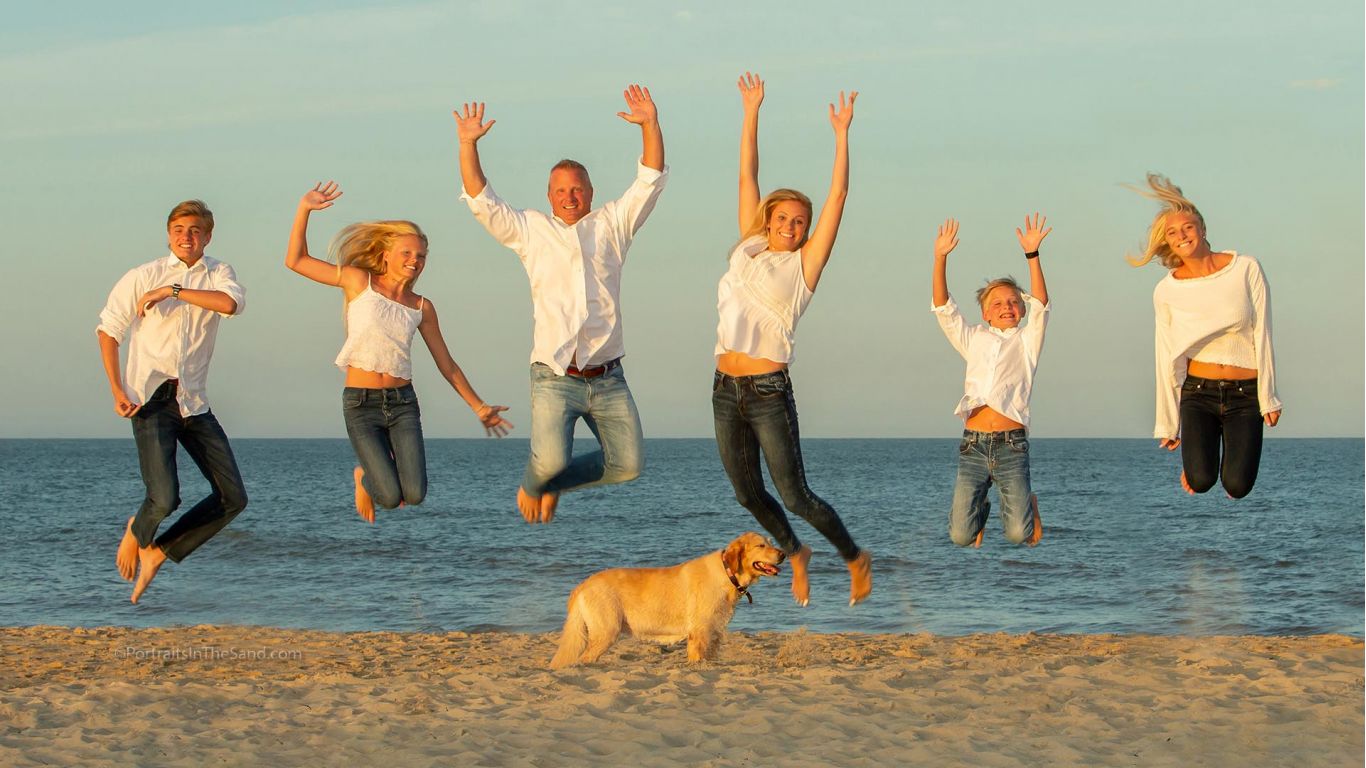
x,y
739,590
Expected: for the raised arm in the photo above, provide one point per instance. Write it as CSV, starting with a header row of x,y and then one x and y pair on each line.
x,y
297,257
470,126
751,96
943,246
816,251
1033,234
642,112
489,415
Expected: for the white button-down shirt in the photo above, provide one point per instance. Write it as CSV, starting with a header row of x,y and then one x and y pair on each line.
x,y
174,339
1001,362
575,270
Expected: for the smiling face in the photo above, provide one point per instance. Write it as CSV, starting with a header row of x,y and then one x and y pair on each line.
x,y
187,236
787,225
1184,234
1003,307
570,194
405,259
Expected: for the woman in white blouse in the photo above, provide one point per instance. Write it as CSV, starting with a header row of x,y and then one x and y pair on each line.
x,y
772,276
1216,376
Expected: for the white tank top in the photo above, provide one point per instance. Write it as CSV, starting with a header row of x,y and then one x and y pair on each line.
x,y
760,299
379,335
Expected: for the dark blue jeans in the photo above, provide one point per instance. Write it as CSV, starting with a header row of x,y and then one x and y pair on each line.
x,y
983,458
1215,412
157,428
756,414
385,427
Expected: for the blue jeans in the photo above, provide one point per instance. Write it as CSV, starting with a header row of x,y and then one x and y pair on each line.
x,y
756,414
157,428
606,406
984,457
1218,412
385,427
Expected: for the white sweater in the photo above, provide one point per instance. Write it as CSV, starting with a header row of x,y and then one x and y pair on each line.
x,y
1220,318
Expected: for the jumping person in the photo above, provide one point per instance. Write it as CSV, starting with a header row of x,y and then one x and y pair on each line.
x,y
377,266
1216,374
1001,359
168,311
772,275
573,257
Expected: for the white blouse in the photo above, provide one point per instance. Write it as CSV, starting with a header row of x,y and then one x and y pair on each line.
x,y
1001,361
379,335
1221,318
760,299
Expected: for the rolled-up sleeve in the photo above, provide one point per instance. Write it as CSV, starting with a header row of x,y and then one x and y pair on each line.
x,y
634,206
1037,324
951,323
508,225
224,279
117,316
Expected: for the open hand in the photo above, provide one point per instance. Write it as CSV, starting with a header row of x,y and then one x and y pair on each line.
x,y
751,91
1034,233
494,423
320,196
469,122
641,106
842,117
947,239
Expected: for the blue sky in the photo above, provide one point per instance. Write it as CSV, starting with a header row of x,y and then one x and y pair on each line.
x,y
981,111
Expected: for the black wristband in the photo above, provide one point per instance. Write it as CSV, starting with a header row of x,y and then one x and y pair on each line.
x,y
175,290
1032,255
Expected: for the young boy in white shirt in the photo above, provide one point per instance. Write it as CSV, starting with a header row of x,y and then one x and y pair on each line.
x,y
1001,359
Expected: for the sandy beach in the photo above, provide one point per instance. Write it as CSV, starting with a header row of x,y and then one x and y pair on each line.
x,y
209,695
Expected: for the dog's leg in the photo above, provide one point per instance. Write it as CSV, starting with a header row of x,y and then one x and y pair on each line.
x,y
573,639
604,624
702,644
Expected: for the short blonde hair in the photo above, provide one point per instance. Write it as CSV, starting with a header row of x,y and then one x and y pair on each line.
x,y
195,208
765,211
1161,189
1007,281
363,244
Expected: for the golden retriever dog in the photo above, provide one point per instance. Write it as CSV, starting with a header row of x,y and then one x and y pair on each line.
x,y
693,600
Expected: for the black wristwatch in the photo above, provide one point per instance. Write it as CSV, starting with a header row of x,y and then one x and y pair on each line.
x,y
175,290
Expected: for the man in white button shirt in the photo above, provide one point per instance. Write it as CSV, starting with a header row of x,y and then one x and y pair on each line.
x,y
168,311
573,257
1001,359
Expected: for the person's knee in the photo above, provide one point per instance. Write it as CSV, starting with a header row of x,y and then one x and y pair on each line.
x,y
160,505
624,469
961,535
1200,481
414,496
1238,487
1016,533
234,500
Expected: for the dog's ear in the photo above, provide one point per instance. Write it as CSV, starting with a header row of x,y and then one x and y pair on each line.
x,y
730,556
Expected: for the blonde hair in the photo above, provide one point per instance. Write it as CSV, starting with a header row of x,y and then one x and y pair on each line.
x,y
195,208
1007,281
765,211
1161,189
363,244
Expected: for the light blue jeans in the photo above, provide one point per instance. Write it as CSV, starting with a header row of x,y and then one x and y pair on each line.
x,y
606,406
984,457
385,427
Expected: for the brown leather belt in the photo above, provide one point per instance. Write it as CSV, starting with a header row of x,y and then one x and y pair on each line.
x,y
592,371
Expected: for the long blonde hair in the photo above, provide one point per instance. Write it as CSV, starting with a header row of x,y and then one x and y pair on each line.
x,y
363,244
1161,189
759,223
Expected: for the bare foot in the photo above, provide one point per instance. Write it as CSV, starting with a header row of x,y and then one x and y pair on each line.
x,y
1186,483
365,506
529,506
549,501
1038,521
128,553
977,540
149,562
801,586
860,577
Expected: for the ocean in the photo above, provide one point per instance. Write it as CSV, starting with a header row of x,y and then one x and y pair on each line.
x,y
1124,549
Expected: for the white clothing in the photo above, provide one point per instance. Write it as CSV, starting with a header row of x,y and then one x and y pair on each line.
x,y
575,271
173,339
760,299
1222,318
379,335
1001,361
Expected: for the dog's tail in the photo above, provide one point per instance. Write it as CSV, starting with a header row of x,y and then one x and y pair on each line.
x,y
574,636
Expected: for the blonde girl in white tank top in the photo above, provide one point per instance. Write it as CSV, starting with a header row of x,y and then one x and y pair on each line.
x,y
377,265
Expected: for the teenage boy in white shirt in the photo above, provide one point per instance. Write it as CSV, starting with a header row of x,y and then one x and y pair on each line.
x,y
168,311
573,257
1001,359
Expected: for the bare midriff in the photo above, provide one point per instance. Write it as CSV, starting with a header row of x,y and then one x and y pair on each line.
x,y
741,364
1219,371
984,419
357,377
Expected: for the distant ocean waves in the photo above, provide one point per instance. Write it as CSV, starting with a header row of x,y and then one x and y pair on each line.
x,y
1124,550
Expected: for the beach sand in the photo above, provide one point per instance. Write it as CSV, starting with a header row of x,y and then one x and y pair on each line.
x,y
194,696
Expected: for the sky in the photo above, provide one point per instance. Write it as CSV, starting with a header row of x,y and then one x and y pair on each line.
x,y
982,111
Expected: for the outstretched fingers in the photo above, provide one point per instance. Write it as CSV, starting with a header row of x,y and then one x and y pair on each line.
x,y
844,116
322,195
469,121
